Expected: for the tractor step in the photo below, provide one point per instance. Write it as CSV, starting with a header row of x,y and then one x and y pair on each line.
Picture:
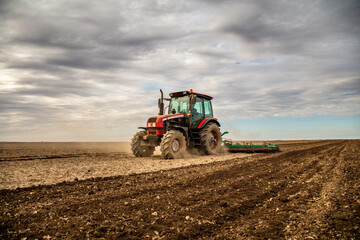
x,y
196,137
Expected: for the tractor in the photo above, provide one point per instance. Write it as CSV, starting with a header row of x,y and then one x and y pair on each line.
x,y
188,124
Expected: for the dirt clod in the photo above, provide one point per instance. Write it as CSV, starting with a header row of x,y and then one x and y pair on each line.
x,y
310,190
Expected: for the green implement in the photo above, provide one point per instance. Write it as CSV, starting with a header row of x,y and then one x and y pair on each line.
x,y
249,146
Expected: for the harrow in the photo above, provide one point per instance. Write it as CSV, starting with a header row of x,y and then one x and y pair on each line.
x,y
232,146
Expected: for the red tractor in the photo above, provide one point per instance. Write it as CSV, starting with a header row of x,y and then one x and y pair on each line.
x,y
188,124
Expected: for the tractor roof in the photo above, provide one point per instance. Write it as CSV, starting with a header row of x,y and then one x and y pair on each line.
x,y
184,93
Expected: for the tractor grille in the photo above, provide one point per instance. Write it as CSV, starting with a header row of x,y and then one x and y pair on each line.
x,y
151,120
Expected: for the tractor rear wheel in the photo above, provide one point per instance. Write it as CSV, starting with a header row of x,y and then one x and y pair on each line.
x,y
137,149
210,137
173,145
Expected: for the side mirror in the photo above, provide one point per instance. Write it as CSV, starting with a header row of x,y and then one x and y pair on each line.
x,y
173,111
193,99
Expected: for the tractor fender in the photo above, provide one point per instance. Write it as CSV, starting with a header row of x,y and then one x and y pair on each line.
x,y
205,121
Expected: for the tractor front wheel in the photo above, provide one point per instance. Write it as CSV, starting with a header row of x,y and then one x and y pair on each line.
x,y
137,149
211,139
173,145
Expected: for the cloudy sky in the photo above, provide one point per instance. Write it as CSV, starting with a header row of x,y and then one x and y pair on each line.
x,y
83,70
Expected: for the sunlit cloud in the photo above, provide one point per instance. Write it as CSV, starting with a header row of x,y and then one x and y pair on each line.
x,y
72,66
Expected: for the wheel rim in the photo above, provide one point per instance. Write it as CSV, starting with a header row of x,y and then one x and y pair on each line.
x,y
175,145
212,140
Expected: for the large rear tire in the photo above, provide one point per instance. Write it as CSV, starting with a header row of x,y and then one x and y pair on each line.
x,y
137,149
173,145
210,139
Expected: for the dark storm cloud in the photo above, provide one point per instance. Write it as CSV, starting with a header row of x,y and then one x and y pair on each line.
x,y
297,26
245,100
47,41
11,103
81,61
55,88
142,40
19,113
346,89
82,40
34,65
214,54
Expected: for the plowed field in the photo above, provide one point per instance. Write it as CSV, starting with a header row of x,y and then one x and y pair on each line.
x,y
309,190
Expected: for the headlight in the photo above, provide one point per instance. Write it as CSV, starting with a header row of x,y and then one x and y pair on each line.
x,y
154,124
149,124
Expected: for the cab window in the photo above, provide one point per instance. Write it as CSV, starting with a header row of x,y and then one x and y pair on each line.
x,y
208,108
198,107
179,104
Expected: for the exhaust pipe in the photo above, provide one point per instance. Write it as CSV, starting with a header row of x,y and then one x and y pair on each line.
x,y
161,103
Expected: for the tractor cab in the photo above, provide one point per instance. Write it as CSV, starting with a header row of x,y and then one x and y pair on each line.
x,y
195,106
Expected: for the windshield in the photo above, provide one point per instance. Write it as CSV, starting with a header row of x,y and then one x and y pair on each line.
x,y
179,104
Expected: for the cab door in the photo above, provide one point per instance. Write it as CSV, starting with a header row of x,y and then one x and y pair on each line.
x,y
197,112
208,109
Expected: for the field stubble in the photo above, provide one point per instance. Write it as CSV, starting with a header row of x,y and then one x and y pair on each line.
x,y
310,190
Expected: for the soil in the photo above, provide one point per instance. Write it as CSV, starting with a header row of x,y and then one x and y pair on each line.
x,y
33,164
309,190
